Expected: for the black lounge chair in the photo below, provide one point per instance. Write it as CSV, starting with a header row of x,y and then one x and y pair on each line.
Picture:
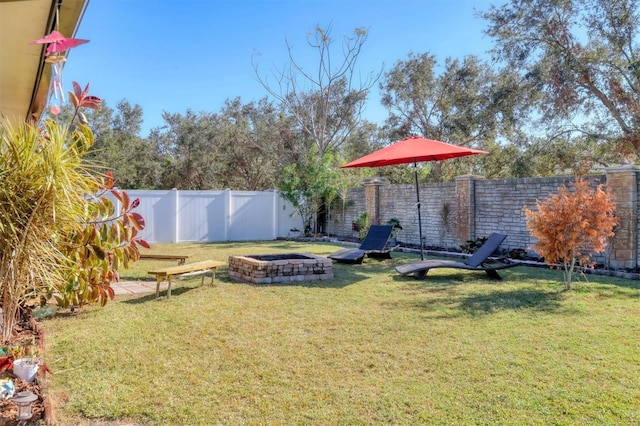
x,y
375,245
479,261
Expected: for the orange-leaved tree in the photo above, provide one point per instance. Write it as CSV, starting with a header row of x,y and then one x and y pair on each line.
x,y
572,225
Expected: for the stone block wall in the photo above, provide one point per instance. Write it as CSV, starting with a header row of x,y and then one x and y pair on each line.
x,y
473,207
500,204
623,184
637,218
437,211
342,217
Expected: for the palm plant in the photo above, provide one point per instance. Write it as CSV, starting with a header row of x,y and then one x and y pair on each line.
x,y
42,199
59,233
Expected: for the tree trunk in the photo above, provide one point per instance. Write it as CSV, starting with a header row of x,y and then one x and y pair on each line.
x,y
569,272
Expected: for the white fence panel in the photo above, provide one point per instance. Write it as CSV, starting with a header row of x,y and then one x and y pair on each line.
x,y
158,210
288,220
201,216
252,216
208,216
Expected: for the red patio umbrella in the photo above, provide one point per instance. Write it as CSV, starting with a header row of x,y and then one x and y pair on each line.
x,y
411,150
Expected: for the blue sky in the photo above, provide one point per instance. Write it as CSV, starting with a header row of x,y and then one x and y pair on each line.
x,y
168,55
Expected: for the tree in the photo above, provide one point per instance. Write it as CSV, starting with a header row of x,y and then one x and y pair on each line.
x,y
467,104
308,184
326,103
250,147
118,146
243,146
570,226
366,138
185,149
537,156
583,57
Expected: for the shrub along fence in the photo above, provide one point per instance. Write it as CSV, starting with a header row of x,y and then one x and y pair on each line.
x,y
473,207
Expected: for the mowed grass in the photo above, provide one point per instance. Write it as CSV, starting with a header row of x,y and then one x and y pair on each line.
x,y
369,347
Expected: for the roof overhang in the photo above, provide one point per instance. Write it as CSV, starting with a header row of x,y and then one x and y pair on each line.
x,y
24,76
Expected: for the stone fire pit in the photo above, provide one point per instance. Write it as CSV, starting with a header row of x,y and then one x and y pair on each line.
x,y
280,268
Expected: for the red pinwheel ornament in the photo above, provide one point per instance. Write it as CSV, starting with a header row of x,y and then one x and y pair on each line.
x,y
58,43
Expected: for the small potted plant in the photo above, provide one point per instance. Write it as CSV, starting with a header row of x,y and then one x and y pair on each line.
x,y
26,362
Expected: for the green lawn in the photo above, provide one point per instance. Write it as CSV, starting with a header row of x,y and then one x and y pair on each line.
x,y
369,347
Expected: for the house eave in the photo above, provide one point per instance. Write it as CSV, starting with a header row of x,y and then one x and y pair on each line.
x,y
24,75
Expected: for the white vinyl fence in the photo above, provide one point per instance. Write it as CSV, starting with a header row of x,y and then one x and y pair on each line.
x,y
174,216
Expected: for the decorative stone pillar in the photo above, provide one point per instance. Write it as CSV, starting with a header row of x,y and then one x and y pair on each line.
x,y
372,197
622,184
466,207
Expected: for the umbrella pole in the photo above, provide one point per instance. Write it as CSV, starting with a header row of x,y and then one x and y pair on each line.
x,y
415,171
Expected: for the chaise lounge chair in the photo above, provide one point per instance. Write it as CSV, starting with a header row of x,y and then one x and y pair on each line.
x,y
374,245
479,261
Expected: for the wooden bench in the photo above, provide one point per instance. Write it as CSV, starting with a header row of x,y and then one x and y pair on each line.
x,y
180,258
189,268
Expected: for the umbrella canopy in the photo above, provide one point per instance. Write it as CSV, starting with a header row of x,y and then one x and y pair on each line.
x,y
412,150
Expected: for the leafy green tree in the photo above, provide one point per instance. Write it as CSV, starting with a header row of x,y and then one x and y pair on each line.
x,y
308,184
249,145
118,147
186,152
365,138
243,146
105,242
41,181
467,104
583,58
